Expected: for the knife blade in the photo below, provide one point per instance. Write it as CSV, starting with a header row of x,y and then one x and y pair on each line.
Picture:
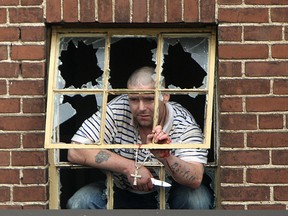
x,y
160,183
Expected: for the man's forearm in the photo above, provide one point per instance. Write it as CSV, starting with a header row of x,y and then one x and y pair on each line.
x,y
101,159
185,173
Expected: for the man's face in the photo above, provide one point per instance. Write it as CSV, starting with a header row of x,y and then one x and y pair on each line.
x,y
142,107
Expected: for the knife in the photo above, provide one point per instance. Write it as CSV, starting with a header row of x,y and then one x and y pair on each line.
x,y
160,183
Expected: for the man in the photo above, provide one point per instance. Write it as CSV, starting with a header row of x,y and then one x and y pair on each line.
x,y
129,119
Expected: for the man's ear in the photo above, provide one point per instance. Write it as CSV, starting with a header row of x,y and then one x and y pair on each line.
x,y
166,98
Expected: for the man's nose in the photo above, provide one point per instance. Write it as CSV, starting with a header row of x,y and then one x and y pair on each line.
x,y
141,105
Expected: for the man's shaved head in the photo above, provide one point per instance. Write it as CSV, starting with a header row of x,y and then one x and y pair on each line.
x,y
142,77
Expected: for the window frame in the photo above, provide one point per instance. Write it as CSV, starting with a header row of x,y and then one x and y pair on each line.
x,y
54,148
52,90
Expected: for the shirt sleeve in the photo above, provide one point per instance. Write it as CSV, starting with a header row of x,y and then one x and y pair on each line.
x,y
192,134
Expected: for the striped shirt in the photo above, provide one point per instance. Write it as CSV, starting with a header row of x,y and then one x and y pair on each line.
x,y
119,129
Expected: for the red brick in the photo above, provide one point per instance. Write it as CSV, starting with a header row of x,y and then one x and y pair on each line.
x,y
232,207
139,11
122,11
230,104
286,33
3,89
244,86
207,11
243,15
229,2
9,70
32,207
9,141
174,10
238,122
22,123
53,11
26,15
4,159
33,140
266,2
279,51
33,33
87,11
70,10
266,69
9,176
3,15
271,121
244,157
4,194
279,14
31,2
230,33
9,34
3,53
105,11
9,2
34,105
267,139
34,176
281,193
267,104
33,70
36,193
229,69
28,52
27,87
231,175
232,140
267,176
262,33
280,86
266,207
9,105
9,207
29,158
243,51
191,13
279,157
252,193
156,11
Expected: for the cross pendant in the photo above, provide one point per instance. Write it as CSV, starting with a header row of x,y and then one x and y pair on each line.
x,y
136,175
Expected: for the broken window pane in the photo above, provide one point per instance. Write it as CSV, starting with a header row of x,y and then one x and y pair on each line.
x,y
126,55
70,112
81,62
186,58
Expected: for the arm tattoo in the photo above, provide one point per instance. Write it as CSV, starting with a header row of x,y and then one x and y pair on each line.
x,y
102,156
176,168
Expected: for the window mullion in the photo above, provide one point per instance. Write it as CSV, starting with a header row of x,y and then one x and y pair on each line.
x,y
105,88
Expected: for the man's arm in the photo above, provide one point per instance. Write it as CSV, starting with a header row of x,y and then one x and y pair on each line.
x,y
107,160
186,173
101,159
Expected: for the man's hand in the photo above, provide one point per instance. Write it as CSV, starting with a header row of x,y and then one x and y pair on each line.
x,y
159,137
144,182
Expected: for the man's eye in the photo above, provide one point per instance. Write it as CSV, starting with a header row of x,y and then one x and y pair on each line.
x,y
132,99
149,99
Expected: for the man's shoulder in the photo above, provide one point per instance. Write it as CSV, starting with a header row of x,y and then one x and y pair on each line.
x,y
121,100
179,109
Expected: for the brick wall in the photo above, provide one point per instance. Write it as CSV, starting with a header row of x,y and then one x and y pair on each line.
x,y
252,91
253,103
23,161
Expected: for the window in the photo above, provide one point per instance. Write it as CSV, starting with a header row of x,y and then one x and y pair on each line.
x,y
89,67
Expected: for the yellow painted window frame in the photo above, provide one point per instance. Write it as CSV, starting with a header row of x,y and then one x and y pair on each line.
x,y
53,148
